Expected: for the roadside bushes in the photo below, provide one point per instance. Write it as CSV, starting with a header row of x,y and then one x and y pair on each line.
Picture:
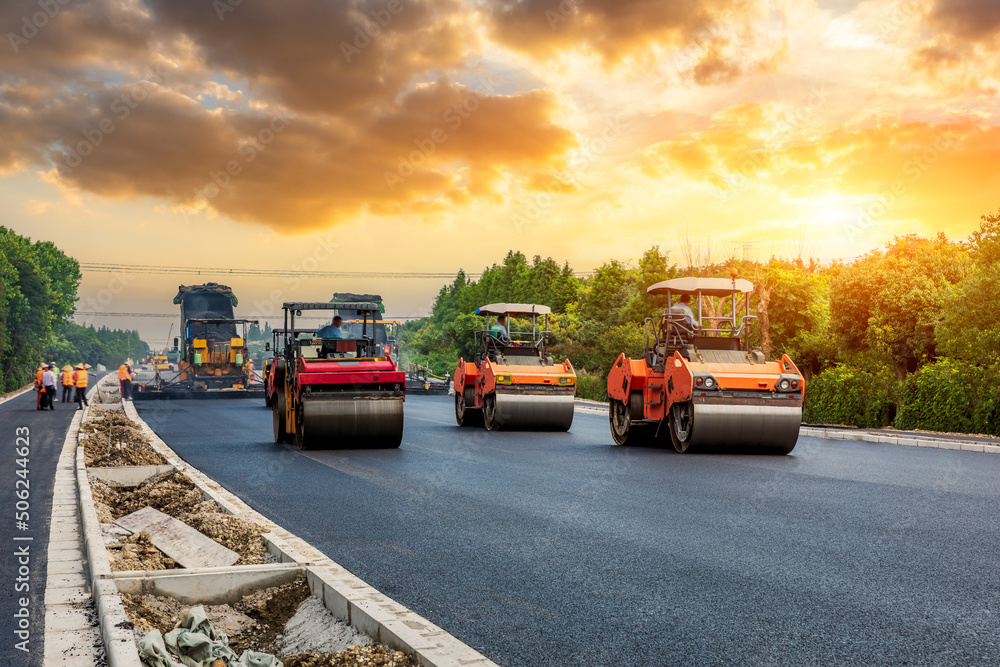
x,y
592,387
951,396
852,396
944,395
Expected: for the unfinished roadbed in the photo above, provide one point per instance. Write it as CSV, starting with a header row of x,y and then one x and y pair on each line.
x,y
168,548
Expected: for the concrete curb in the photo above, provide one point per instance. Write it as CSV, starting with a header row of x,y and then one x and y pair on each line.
x,y
348,597
912,440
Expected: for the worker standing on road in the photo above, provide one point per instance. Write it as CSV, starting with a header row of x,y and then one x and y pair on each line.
x,y
81,380
332,330
49,387
38,388
125,380
66,378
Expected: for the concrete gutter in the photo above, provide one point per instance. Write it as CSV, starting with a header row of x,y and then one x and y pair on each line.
x,y
348,597
904,438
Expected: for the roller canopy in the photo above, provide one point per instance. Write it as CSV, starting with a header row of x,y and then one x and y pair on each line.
x,y
321,305
513,309
707,286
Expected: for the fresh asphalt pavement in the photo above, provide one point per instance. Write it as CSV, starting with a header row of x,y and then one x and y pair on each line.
x,y
46,435
564,549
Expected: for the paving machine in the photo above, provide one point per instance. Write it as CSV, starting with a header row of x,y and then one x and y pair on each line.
x,y
336,393
704,387
512,382
422,380
212,356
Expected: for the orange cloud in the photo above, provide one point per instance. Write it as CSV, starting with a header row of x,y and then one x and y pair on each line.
x,y
714,41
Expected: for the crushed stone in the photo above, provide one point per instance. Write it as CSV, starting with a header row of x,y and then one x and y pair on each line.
x,y
138,553
232,532
355,656
314,628
114,440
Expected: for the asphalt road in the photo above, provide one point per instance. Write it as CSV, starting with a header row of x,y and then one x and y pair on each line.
x,y
46,435
563,549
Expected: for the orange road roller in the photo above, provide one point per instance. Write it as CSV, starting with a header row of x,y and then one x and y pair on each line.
x,y
700,382
512,382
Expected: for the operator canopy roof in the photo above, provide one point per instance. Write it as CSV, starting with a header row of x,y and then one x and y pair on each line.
x,y
360,307
707,286
513,309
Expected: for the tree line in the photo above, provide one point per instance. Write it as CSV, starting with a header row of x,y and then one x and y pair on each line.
x,y
907,335
38,293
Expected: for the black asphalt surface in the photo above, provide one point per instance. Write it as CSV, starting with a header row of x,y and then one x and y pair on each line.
x,y
562,549
47,433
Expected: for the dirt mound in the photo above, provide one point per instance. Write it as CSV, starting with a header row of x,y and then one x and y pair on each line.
x,y
252,623
356,656
114,440
173,493
234,533
138,553
271,609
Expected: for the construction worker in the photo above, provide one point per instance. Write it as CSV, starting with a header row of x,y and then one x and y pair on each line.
x,y
49,387
125,380
66,378
249,372
684,308
332,330
499,328
81,380
38,387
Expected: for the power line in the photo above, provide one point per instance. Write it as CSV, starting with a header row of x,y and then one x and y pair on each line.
x,y
82,313
158,269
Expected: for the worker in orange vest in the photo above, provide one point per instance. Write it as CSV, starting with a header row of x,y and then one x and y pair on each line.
x,y
125,379
66,378
249,372
39,390
81,380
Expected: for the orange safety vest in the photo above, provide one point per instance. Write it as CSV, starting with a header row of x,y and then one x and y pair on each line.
x,y
66,377
38,377
81,379
123,373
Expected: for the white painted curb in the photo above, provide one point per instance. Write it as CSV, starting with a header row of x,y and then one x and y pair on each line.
x,y
911,440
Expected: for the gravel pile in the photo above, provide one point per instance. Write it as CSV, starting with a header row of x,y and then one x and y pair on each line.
x,y
114,440
174,494
138,553
356,656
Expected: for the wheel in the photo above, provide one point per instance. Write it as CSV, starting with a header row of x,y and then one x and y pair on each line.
x,y
490,413
278,419
267,398
623,427
682,426
465,414
301,437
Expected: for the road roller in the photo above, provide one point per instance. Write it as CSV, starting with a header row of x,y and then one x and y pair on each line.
x,y
700,383
512,382
336,392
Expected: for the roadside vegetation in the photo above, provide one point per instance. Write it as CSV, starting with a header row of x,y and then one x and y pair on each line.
x,y
906,336
38,292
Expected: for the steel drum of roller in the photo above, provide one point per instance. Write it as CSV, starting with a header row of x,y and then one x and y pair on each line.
x,y
351,423
755,427
530,411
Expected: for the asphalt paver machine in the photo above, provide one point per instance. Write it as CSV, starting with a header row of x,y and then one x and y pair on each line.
x,y
704,387
512,381
336,393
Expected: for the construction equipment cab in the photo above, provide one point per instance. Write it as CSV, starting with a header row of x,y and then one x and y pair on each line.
x,y
700,382
511,382
336,392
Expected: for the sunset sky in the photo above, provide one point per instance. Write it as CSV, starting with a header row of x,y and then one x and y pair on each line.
x,y
433,135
